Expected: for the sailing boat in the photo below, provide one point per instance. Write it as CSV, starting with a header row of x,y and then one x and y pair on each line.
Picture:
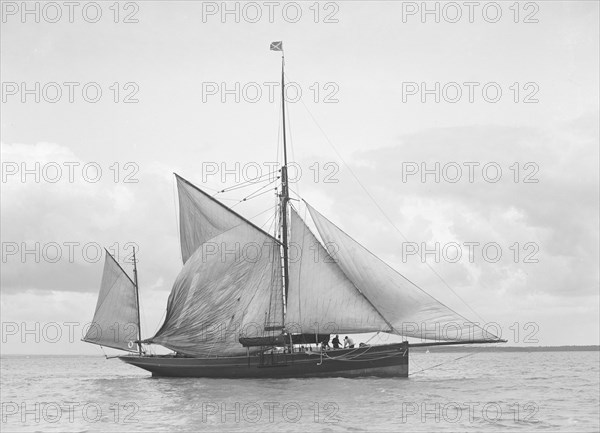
x,y
244,306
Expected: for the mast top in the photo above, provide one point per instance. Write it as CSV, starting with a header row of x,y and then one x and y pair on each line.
x,y
277,46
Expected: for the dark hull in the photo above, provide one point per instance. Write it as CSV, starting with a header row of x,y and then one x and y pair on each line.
x,y
389,360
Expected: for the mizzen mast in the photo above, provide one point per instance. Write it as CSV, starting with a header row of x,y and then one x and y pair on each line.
x,y
137,300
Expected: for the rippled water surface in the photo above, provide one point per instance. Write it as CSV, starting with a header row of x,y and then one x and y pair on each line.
x,y
540,391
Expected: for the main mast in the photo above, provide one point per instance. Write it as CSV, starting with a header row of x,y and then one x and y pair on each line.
x,y
284,197
285,193
137,299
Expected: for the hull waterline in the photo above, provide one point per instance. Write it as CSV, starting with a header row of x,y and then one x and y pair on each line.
x,y
389,360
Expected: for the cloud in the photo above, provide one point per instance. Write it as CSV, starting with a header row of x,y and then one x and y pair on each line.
x,y
545,198
55,222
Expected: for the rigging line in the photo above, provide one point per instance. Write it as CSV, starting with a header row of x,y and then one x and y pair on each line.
x,y
376,335
370,359
273,225
352,359
273,295
252,195
230,199
211,188
144,317
276,234
241,186
345,356
296,194
274,287
250,182
268,312
250,198
254,179
276,279
270,222
256,194
259,214
243,198
382,211
274,217
139,303
445,362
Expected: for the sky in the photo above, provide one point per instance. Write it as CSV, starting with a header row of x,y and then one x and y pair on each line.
x,y
475,138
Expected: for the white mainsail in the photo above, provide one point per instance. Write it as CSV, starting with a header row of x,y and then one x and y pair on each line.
x,y
115,322
230,286
411,311
320,297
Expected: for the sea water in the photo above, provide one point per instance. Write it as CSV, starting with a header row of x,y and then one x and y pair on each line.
x,y
485,392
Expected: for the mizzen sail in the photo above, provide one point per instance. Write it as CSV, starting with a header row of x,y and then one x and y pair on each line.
x,y
115,321
411,311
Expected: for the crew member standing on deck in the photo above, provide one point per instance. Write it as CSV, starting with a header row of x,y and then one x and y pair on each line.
x,y
336,342
348,342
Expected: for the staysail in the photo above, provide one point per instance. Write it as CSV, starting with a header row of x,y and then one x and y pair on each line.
x,y
411,311
321,298
230,285
115,321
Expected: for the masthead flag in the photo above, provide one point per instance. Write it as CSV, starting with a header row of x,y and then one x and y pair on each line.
x,y
277,46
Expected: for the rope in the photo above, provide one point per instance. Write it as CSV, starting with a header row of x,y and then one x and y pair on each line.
x,y
345,357
445,362
375,335
249,182
351,352
270,222
256,193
